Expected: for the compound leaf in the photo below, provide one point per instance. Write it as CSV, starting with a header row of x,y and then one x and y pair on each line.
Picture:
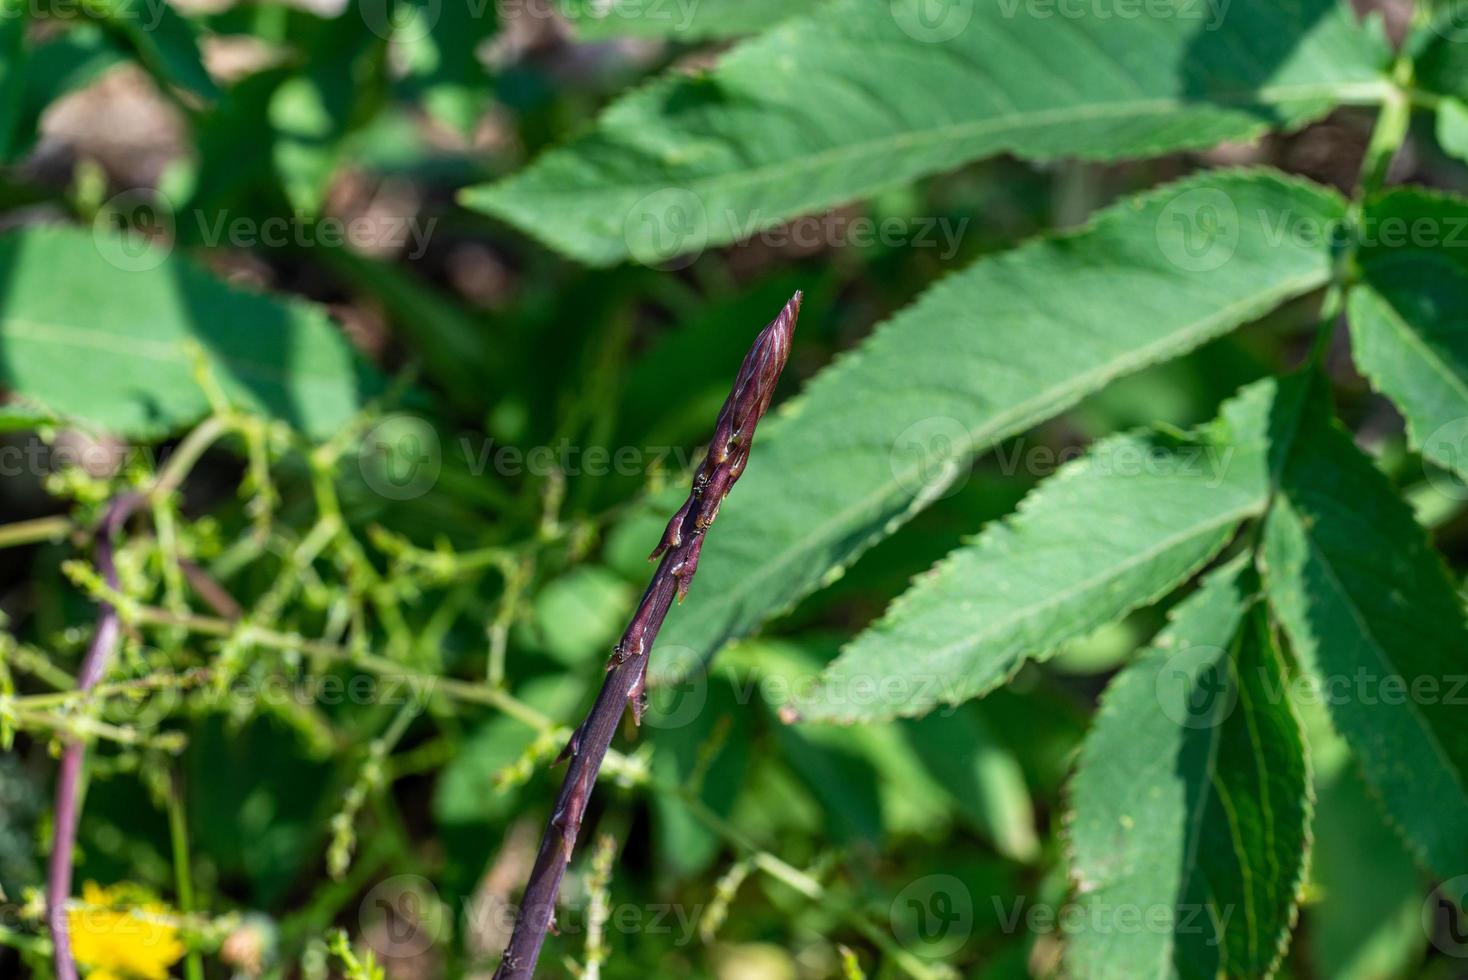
x,y
1114,530
988,353
858,97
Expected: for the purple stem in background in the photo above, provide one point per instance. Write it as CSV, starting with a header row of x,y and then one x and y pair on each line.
x,y
627,673
68,779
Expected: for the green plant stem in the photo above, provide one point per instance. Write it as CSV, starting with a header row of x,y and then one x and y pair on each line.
x,y
178,837
1331,308
35,531
278,640
1390,130
137,685
186,454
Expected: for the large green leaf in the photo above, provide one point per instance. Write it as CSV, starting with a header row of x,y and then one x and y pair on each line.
x,y
1114,530
988,353
1409,317
130,372
860,96
1191,803
1378,626
680,20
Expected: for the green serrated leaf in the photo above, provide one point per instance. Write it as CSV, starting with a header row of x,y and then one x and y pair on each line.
x,y
987,354
1191,803
1409,317
1113,531
859,97
1378,627
130,373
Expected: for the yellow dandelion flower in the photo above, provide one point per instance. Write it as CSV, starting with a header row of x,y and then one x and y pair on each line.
x,y
117,939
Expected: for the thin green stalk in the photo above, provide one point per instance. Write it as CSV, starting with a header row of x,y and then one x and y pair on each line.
x,y
1331,308
370,779
178,836
188,453
1389,134
35,531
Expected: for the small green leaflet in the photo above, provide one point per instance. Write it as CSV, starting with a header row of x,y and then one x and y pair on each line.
x,y
1377,625
131,373
1115,530
986,354
1452,126
1191,803
1409,317
860,96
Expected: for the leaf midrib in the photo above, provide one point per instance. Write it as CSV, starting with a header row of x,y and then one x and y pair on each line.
x,y
1356,93
1162,546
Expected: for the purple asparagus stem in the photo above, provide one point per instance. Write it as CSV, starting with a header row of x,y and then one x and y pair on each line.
x,y
68,780
626,682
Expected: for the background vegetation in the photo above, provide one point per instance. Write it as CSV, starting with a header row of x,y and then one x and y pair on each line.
x,y
406,322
